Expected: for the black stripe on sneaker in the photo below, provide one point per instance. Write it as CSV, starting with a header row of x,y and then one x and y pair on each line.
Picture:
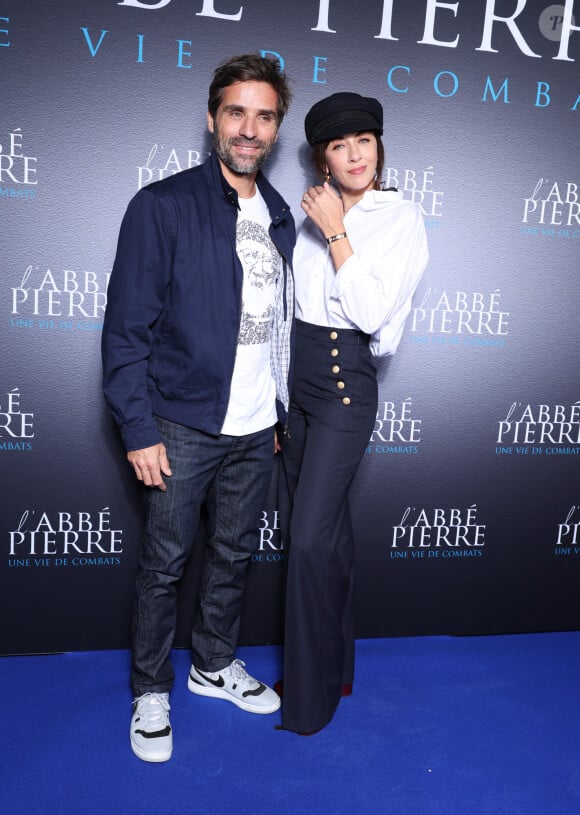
x,y
260,689
158,733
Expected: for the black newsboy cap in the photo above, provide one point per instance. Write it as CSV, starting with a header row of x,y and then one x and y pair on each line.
x,y
342,113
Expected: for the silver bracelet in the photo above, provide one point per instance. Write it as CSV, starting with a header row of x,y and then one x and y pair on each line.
x,y
335,238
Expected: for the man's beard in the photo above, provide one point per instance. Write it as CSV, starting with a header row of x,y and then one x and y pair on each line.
x,y
239,164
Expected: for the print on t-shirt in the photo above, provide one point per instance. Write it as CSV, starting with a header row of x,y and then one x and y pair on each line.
x,y
260,261
252,402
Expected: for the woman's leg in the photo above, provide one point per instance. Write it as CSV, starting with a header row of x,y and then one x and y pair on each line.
x,y
319,577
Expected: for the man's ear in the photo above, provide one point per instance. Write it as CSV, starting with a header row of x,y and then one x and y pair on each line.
x,y
209,122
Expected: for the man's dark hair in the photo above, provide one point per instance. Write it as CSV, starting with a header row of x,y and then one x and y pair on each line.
x,y
246,68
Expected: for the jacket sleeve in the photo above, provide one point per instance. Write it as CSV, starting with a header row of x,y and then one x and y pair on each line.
x,y
135,297
375,294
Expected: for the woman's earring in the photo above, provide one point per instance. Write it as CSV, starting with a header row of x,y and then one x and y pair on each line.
x,y
327,176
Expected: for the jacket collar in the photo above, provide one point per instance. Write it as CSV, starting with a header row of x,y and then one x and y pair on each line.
x,y
277,206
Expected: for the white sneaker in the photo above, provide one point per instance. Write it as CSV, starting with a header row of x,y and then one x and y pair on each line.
x,y
236,685
151,736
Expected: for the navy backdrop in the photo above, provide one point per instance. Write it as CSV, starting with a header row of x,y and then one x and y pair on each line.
x,y
467,505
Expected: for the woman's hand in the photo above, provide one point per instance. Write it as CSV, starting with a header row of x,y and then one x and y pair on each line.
x,y
324,206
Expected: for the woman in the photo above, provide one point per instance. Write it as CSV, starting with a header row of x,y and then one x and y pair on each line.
x,y
357,262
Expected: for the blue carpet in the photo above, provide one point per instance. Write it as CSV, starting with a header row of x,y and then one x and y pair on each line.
x,y
436,726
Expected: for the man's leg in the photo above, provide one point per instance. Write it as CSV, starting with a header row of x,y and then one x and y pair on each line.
x,y
234,503
171,520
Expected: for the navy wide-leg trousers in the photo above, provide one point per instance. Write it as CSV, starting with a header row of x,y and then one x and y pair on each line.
x,y
331,418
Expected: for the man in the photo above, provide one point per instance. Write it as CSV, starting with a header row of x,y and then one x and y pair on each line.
x,y
195,370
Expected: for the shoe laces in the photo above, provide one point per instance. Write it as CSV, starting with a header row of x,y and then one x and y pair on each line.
x,y
238,671
153,709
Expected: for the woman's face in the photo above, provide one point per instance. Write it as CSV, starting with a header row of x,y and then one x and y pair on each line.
x,y
352,161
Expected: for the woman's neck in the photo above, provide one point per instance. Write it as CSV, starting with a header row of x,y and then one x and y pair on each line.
x,y
349,200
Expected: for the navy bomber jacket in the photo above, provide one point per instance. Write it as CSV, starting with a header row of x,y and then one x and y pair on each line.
x,y
174,303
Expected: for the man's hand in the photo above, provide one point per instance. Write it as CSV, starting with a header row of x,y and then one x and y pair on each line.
x,y
149,463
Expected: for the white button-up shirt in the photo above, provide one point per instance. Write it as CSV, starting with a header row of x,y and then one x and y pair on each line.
x,y
372,290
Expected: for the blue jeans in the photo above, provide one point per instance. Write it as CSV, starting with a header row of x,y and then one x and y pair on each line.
x,y
231,476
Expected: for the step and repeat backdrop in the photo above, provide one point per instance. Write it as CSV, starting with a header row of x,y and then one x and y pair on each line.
x,y
467,504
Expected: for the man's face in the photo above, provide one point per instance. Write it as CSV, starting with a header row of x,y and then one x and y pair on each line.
x,y
245,127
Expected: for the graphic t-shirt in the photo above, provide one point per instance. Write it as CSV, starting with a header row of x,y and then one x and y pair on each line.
x,y
252,404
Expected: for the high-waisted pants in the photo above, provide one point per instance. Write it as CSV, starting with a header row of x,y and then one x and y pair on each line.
x,y
331,418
